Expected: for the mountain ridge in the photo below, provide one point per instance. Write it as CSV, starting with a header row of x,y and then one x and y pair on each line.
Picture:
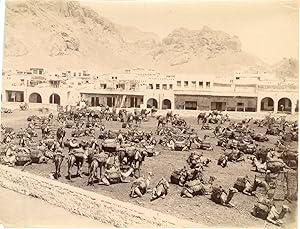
x,y
58,34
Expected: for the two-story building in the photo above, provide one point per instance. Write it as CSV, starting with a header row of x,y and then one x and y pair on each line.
x,y
133,88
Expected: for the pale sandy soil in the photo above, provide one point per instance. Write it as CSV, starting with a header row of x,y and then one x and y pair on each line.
x,y
17,210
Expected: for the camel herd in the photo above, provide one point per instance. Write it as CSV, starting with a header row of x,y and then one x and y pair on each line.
x,y
114,156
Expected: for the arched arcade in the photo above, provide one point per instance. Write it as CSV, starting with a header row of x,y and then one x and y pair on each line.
x,y
35,98
152,103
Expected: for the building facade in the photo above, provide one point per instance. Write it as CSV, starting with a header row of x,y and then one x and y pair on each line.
x,y
137,88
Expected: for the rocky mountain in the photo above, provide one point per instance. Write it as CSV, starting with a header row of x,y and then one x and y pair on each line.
x,y
60,35
131,34
287,68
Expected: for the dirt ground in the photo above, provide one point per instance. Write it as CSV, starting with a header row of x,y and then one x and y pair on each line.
x,y
198,209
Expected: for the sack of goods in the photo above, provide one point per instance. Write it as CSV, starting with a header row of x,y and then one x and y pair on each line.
x,y
110,145
179,145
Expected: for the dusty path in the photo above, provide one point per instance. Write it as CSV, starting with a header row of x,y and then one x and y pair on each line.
x,y
25,211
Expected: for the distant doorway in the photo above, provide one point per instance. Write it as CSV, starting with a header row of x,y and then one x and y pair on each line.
x,y
166,104
220,106
152,103
54,99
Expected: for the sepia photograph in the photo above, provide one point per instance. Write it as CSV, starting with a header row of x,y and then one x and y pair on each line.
x,y
149,113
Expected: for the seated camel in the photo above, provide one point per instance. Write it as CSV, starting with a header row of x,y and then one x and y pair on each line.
x,y
235,155
197,187
203,144
196,159
274,166
266,210
178,176
222,161
140,186
113,175
220,196
181,176
161,189
243,184
177,145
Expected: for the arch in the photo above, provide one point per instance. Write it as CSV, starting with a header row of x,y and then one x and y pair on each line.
x,y
267,104
166,104
54,99
152,103
35,98
297,106
284,105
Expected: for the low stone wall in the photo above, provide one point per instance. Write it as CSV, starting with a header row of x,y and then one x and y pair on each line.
x,y
86,203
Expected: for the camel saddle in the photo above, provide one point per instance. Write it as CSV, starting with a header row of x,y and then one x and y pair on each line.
x,y
100,157
35,153
112,174
78,153
140,183
240,184
195,187
130,151
23,156
205,144
179,145
176,175
261,210
216,193
110,145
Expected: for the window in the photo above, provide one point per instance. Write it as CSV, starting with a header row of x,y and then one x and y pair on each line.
x,y
201,84
74,74
132,86
79,73
170,86
178,83
193,83
208,84
15,96
103,86
93,101
240,107
110,101
40,72
186,83
190,105
164,86
157,86
150,86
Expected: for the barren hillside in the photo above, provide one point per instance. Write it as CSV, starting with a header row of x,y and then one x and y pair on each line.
x,y
59,34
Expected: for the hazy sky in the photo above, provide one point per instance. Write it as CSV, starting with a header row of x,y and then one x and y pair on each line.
x,y
266,28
